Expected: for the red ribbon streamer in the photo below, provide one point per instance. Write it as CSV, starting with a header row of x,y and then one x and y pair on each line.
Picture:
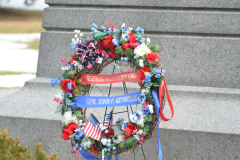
x,y
78,156
161,88
105,79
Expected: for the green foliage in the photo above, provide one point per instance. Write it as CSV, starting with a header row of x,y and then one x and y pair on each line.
x,y
119,50
82,88
59,108
92,140
146,129
11,149
129,52
76,57
130,142
137,62
149,117
77,113
154,48
72,135
99,145
117,33
76,91
100,36
117,130
79,80
70,74
65,75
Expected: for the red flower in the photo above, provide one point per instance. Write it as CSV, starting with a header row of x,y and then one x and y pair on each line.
x,y
130,45
68,131
109,134
94,149
73,58
151,57
65,85
132,38
107,43
142,75
129,129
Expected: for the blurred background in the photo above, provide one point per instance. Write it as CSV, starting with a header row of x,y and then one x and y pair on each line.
x,y
20,27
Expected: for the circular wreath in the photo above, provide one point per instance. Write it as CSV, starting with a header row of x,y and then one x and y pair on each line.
x,y
92,55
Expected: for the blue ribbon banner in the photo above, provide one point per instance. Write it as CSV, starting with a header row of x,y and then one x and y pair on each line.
x,y
98,102
157,106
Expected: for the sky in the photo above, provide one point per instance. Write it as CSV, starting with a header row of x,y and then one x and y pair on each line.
x,y
39,5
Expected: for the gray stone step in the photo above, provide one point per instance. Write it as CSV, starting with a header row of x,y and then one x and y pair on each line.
x,y
152,3
188,60
154,21
205,125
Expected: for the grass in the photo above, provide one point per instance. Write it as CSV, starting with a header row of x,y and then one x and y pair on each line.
x,y
3,73
20,21
33,44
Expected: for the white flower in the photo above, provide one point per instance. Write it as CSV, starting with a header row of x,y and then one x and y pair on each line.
x,y
141,50
80,121
76,36
73,40
102,127
141,63
109,140
75,63
67,117
141,121
148,40
104,141
89,143
144,91
136,137
151,108
77,39
123,25
81,34
106,131
82,128
130,28
80,67
120,138
75,31
140,132
133,118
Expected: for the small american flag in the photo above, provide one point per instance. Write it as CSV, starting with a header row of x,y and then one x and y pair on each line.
x,y
108,121
92,128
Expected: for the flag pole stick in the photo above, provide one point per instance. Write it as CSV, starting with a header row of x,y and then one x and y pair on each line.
x,y
90,111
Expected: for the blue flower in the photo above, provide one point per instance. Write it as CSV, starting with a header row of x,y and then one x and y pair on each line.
x,y
61,79
114,148
120,119
80,148
142,31
70,86
124,30
54,81
142,98
103,28
145,111
142,40
124,125
69,94
94,30
94,25
138,115
157,76
96,35
124,58
108,144
79,133
138,29
148,78
73,46
115,42
155,70
63,99
69,66
146,85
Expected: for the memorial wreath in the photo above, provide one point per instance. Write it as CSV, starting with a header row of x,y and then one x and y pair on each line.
x,y
92,55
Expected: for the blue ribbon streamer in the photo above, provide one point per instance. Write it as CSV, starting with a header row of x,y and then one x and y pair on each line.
x,y
157,106
98,102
